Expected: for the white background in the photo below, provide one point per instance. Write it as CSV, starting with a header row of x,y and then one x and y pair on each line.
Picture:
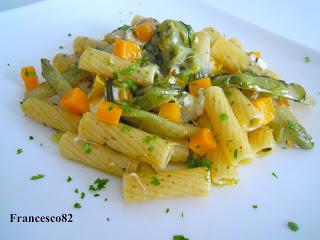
x,y
294,19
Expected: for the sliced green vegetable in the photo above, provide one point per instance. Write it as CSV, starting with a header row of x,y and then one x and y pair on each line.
x,y
287,128
263,84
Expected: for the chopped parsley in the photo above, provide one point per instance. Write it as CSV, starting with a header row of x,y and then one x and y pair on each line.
x,y
254,206
224,117
69,179
307,59
86,147
150,139
61,47
37,177
30,137
108,219
228,93
167,210
132,86
98,184
76,190
291,126
179,237
293,226
194,162
125,129
77,205
125,107
111,107
155,181
125,27
82,195
235,153
274,174
106,199
182,215
69,34
96,195
19,151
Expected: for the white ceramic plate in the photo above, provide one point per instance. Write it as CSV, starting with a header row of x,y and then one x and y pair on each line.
x,y
36,31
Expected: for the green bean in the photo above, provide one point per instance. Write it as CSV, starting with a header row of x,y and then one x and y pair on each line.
x,y
153,123
287,128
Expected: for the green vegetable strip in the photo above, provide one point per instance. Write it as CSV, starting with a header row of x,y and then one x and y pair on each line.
x,y
54,78
74,76
153,123
262,84
287,128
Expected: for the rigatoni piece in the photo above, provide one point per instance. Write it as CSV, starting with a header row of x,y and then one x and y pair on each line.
x,y
226,127
107,64
222,173
63,62
51,115
80,44
128,140
248,116
231,56
180,151
262,141
94,155
170,184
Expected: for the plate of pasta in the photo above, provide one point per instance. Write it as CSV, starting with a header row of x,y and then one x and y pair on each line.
x,y
195,122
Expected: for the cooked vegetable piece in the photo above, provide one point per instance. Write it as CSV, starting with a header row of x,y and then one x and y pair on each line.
x,y
265,106
54,78
74,76
29,77
145,30
80,44
170,111
98,88
287,128
263,84
63,62
109,113
126,50
75,101
202,141
155,124
196,85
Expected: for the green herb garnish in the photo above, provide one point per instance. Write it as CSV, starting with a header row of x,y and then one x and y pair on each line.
x,y
69,179
77,205
223,117
76,190
179,237
98,184
254,206
69,34
274,174
291,126
30,137
155,181
307,59
125,107
167,210
132,86
86,147
235,153
194,162
125,129
36,177
125,27
19,150
228,93
96,195
82,195
150,139
293,226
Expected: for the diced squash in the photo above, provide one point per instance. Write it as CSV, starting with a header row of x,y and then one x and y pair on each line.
x,y
29,77
170,111
109,113
98,87
127,50
145,30
202,141
196,85
265,106
75,101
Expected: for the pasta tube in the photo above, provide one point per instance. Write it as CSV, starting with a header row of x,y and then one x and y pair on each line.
x,y
170,184
180,151
107,64
222,173
50,115
80,44
96,155
262,141
227,129
128,140
63,62
248,116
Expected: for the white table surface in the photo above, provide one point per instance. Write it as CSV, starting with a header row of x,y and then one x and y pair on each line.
x,y
294,19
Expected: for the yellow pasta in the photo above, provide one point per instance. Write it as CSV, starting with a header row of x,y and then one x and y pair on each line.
x,y
180,151
80,44
50,115
204,122
98,156
248,116
170,184
63,62
106,64
133,142
222,173
230,56
226,127
145,168
262,141
236,42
